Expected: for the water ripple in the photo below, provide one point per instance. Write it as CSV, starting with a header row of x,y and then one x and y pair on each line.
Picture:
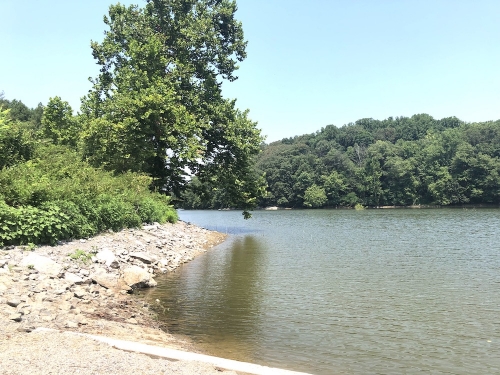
x,y
346,292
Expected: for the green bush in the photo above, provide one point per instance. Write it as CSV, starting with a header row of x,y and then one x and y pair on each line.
x,y
29,224
9,222
79,224
56,196
156,208
116,213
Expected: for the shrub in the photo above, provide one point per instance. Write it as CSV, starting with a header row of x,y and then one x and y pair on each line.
x,y
29,224
56,196
117,213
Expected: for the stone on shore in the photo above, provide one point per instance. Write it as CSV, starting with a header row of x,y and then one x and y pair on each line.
x,y
142,257
137,277
17,317
107,257
13,302
42,264
72,278
110,281
49,289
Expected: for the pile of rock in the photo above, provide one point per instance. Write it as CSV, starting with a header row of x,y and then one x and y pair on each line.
x,y
77,284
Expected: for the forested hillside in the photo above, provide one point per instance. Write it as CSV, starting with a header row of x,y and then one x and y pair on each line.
x,y
398,161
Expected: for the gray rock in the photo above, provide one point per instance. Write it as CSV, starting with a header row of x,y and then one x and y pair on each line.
x,y
78,293
45,313
48,299
26,329
142,257
72,278
107,257
42,264
26,310
17,317
14,302
65,306
137,277
37,289
84,272
164,262
109,281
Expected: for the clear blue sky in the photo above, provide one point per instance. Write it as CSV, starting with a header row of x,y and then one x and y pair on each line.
x,y
310,63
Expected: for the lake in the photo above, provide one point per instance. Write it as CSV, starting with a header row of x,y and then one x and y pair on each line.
x,y
413,291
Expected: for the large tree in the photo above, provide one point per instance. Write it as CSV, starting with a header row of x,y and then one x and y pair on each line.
x,y
157,105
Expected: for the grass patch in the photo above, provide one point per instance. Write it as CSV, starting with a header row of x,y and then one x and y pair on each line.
x,y
81,256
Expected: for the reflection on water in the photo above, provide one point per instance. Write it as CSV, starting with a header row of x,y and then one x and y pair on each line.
x,y
225,289
346,292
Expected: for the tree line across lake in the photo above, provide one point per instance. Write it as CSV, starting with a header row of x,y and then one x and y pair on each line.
x,y
399,161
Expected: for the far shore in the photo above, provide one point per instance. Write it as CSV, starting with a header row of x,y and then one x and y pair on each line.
x,y
416,206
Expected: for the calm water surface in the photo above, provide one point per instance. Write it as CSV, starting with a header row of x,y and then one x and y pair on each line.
x,y
345,292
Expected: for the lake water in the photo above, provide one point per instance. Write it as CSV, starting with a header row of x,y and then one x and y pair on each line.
x,y
345,292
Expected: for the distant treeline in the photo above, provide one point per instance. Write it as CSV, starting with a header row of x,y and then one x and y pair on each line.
x,y
398,161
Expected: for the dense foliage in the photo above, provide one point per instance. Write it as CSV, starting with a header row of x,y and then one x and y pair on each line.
x,y
47,193
397,161
57,196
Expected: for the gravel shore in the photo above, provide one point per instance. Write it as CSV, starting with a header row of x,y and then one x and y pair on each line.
x,y
60,353
85,286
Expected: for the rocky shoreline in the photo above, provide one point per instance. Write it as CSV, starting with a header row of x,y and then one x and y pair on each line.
x,y
86,285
